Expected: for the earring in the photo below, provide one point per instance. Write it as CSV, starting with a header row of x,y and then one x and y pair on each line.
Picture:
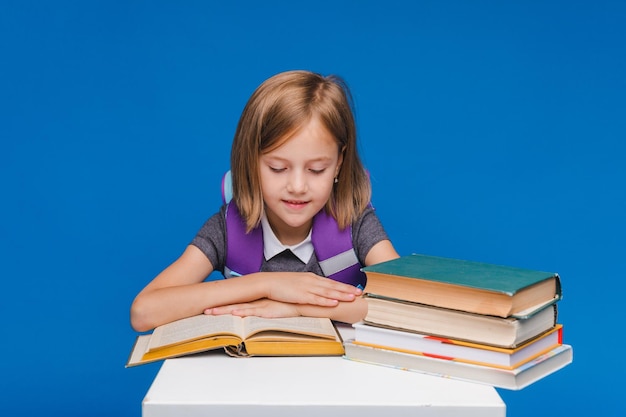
x,y
336,180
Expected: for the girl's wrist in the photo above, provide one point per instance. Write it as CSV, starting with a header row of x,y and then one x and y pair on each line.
x,y
262,284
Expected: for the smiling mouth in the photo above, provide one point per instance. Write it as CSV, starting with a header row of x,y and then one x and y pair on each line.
x,y
295,203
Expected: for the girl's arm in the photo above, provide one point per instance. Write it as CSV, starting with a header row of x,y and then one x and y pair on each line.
x,y
381,252
177,292
344,311
347,311
180,291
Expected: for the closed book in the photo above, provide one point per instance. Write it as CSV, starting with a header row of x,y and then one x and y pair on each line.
x,y
507,332
457,350
512,379
475,287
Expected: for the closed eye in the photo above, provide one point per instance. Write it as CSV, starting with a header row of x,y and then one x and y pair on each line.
x,y
317,171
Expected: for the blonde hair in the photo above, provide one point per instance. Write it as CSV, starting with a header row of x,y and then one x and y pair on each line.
x,y
276,110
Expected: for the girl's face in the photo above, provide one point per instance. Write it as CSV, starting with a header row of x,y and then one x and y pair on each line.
x,y
297,179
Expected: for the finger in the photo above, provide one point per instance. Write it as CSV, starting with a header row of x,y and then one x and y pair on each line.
x,y
340,287
323,301
245,312
217,311
332,295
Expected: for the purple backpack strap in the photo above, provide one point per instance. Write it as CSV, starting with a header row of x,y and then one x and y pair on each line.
x,y
249,246
335,252
333,248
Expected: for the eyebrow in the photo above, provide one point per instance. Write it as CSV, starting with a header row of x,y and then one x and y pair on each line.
x,y
278,158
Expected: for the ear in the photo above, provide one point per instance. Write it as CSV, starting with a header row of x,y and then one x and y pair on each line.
x,y
340,161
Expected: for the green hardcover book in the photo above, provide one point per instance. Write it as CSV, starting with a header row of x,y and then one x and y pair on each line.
x,y
475,287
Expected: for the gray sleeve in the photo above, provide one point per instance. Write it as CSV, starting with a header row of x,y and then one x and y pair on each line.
x,y
366,232
211,239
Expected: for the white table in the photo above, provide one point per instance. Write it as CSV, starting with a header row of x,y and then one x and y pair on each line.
x,y
214,384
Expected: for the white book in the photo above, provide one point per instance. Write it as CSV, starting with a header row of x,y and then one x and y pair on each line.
x,y
457,350
513,379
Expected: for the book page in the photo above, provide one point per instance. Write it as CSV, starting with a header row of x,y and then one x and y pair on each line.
x,y
139,348
313,326
193,328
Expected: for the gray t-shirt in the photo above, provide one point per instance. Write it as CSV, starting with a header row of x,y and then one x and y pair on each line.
x,y
211,240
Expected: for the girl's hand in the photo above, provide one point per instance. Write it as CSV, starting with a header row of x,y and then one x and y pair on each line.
x,y
309,288
261,308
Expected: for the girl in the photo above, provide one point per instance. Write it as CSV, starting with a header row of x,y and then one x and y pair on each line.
x,y
294,158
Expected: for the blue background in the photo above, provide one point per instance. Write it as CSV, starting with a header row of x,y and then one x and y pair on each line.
x,y
494,131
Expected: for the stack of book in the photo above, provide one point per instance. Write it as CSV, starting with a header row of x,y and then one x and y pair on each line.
x,y
467,320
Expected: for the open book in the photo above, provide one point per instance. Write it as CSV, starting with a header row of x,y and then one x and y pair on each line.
x,y
249,336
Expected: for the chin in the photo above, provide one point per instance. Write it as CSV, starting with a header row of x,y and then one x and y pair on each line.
x,y
296,224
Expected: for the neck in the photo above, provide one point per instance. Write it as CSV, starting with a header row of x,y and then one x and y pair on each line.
x,y
288,235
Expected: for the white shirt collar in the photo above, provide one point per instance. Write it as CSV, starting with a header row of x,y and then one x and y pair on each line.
x,y
272,246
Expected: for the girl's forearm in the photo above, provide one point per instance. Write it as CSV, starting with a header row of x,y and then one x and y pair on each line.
x,y
158,306
161,303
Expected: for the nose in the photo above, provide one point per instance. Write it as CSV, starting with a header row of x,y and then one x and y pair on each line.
x,y
297,183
